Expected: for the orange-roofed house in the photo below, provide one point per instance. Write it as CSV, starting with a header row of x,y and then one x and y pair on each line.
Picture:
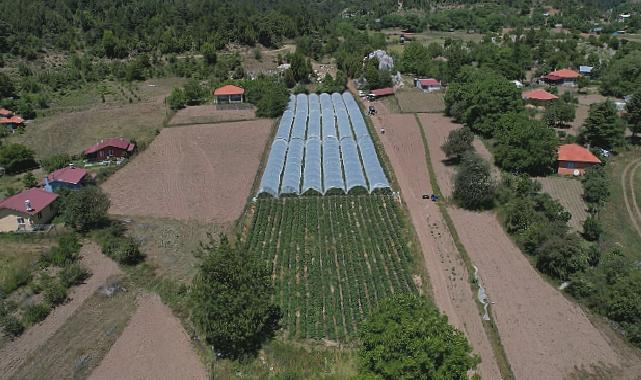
x,y
538,97
229,94
12,123
574,159
563,77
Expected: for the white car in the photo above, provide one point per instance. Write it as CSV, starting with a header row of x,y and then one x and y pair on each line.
x,y
361,93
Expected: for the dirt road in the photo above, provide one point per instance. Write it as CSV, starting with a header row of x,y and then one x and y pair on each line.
x,y
448,276
629,194
545,335
153,346
13,355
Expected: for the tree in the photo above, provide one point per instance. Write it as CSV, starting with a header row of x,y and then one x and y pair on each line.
x,y
85,209
559,113
288,77
633,108
622,76
177,99
55,162
592,228
194,93
474,187
596,186
561,256
209,53
231,298
16,158
29,180
524,145
408,338
459,141
603,128
7,89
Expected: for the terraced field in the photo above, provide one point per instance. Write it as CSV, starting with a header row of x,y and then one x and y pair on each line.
x,y
333,258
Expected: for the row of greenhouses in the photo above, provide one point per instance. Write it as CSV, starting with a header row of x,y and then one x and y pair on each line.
x,y
322,146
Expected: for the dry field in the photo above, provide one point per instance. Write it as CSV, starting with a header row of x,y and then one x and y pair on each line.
x,y
545,335
154,345
268,61
210,114
73,131
447,272
569,192
202,173
415,100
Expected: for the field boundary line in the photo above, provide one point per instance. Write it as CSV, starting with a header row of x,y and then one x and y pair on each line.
x,y
489,326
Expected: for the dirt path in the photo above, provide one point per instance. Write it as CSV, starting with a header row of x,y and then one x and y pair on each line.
x,y
627,182
448,276
153,346
545,335
13,355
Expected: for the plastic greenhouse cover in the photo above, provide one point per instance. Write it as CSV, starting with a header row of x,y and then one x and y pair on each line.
x,y
284,126
314,102
301,104
332,172
358,123
270,182
375,174
314,125
312,173
300,125
291,105
292,172
352,165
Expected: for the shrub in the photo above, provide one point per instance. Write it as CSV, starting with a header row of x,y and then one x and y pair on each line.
x,y
580,286
56,162
123,250
592,228
16,158
474,187
55,293
595,185
561,256
73,274
12,325
459,141
36,313
65,252
85,209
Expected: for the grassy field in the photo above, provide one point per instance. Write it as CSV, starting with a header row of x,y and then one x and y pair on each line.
x,y
618,228
569,192
334,259
80,119
414,100
393,44
19,255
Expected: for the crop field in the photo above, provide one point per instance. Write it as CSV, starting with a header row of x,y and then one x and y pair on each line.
x,y
415,100
569,192
333,258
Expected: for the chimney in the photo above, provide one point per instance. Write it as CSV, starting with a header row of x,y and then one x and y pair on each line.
x,y
27,205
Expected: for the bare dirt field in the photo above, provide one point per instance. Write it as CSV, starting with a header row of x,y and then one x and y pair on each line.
x,y
415,100
545,335
569,192
202,173
14,354
448,276
71,131
209,114
154,345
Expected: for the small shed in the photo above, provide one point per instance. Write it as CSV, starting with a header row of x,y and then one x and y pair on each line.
x,y
229,94
573,159
380,92
110,148
427,84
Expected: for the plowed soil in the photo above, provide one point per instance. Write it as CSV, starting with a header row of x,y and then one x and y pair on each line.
x,y
545,335
569,192
202,172
448,276
154,345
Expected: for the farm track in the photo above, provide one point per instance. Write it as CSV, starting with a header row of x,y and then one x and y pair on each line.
x,y
631,204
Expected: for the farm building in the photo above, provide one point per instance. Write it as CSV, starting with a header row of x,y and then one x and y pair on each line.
x,y
12,123
538,96
585,70
574,159
563,77
380,92
65,178
27,211
109,148
427,84
229,94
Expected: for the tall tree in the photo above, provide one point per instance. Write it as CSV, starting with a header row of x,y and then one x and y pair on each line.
x,y
85,209
633,109
459,141
408,338
474,186
231,298
603,128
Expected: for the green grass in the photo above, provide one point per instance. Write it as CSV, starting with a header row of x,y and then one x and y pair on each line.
x,y
19,255
333,259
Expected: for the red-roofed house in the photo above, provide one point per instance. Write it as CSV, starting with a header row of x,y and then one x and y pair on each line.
x,y
229,94
27,211
12,123
5,112
564,77
380,92
109,148
574,159
68,177
538,96
427,84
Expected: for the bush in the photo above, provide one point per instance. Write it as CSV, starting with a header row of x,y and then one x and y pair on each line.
x,y
459,141
592,229
55,293
56,162
12,326
85,209
36,313
474,187
561,256
123,250
73,274
580,286
596,185
65,252
16,158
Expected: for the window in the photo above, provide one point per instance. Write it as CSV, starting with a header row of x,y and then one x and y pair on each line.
x,y
110,153
20,220
571,165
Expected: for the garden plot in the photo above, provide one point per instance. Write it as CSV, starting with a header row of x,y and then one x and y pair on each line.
x,y
322,146
569,192
333,259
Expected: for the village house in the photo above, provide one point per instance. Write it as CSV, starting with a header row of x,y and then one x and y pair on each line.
x,y
27,211
563,77
574,159
12,123
109,148
229,94
427,84
538,97
69,177
5,113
